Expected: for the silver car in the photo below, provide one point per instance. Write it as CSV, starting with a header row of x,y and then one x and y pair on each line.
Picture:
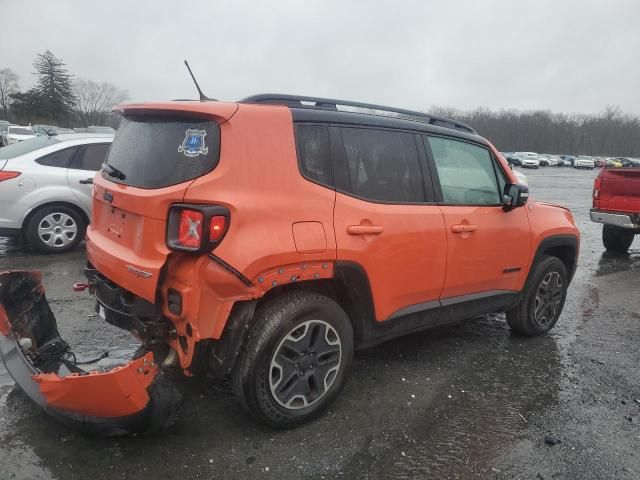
x,y
46,186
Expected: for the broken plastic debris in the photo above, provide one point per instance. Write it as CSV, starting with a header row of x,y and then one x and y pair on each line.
x,y
550,440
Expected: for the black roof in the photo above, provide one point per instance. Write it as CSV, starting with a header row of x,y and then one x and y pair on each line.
x,y
326,109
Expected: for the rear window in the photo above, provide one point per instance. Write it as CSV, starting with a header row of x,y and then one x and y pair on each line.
x,y
158,151
26,146
21,131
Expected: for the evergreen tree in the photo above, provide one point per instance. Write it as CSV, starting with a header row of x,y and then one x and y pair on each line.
x,y
53,87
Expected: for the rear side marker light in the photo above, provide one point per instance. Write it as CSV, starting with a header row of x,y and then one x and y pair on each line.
x,y
218,225
6,175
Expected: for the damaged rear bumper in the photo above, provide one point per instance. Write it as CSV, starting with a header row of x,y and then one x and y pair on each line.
x,y
130,398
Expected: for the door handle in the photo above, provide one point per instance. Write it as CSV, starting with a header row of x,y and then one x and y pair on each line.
x,y
463,228
86,181
364,229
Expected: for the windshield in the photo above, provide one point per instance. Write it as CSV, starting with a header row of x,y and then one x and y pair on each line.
x,y
20,131
20,148
158,151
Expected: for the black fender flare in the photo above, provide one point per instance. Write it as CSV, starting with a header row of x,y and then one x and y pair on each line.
x,y
565,247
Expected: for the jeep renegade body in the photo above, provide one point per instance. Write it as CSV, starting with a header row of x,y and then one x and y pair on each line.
x,y
271,238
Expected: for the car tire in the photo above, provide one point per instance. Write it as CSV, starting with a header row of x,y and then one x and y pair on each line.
x,y
616,239
296,359
543,298
55,229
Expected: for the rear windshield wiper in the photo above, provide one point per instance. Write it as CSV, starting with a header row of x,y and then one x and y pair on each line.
x,y
113,171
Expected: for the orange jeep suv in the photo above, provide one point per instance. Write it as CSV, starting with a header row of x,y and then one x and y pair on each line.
x,y
269,239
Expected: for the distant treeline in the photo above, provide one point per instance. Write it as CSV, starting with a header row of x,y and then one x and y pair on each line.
x,y
609,133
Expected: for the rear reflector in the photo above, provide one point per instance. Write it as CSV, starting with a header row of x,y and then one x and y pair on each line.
x,y
8,175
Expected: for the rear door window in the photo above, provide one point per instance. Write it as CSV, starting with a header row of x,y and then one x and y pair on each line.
x,y
383,165
91,157
26,146
158,151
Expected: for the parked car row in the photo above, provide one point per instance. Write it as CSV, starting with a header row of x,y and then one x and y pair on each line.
x,y
536,160
10,133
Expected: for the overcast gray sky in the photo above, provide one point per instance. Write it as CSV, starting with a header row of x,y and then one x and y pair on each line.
x,y
569,55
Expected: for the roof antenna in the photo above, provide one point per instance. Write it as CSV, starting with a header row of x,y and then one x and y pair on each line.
x,y
203,97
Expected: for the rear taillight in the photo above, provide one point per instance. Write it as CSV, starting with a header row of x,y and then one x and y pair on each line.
x,y
597,184
196,228
190,228
5,175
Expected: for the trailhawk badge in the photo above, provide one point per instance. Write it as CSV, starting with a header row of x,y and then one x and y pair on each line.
x,y
193,143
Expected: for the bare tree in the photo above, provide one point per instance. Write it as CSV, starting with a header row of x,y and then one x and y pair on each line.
x,y
94,101
8,86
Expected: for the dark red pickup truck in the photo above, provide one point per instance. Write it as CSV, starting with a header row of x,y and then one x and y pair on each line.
x,y
616,204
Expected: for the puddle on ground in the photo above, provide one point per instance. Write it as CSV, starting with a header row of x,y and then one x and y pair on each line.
x,y
611,262
12,246
494,399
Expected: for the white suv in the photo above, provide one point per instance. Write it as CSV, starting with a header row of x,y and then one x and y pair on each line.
x,y
46,186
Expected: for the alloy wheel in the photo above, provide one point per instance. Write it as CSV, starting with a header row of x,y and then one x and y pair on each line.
x,y
548,299
305,364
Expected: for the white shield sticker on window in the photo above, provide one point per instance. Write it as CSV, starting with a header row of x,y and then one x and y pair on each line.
x,y
193,143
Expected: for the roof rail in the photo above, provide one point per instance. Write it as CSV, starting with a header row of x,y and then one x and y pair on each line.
x,y
319,103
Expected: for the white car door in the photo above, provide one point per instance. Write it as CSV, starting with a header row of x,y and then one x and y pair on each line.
x,y
82,169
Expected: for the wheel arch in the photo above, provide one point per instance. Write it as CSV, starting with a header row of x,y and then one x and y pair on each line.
x,y
563,247
349,287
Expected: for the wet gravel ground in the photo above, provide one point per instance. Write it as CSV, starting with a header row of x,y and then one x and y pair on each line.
x,y
468,401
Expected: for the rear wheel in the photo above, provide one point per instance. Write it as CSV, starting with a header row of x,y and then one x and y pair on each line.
x,y
617,239
55,229
543,298
296,359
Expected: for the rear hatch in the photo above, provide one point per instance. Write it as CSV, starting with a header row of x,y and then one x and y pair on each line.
x,y
157,152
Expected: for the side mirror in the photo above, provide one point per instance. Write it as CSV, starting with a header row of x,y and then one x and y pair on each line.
x,y
515,195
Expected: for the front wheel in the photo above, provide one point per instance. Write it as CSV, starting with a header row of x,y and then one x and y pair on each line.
x,y
296,359
543,298
617,239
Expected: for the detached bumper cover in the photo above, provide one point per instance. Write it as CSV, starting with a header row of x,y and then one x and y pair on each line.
x,y
130,398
